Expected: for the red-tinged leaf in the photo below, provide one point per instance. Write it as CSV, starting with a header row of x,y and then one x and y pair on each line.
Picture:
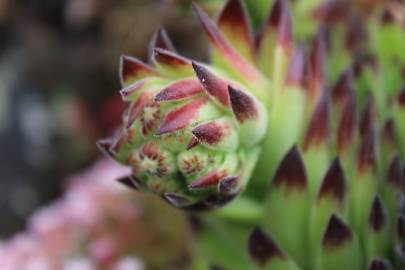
x,y
395,174
209,180
234,24
367,155
401,98
336,234
234,60
368,117
215,87
334,183
211,133
262,248
161,40
180,118
271,23
177,200
193,143
379,264
388,132
356,34
296,71
317,80
347,125
179,90
284,31
170,59
132,88
318,128
378,216
331,11
291,171
136,107
132,69
229,185
344,87
243,106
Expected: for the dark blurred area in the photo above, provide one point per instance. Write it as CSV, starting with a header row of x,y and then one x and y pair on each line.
x,y
59,87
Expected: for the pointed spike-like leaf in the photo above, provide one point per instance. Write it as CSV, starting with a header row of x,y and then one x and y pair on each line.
x,y
271,23
177,200
179,90
132,69
104,145
347,125
170,59
395,176
331,11
336,234
367,155
210,180
243,106
261,247
295,76
193,143
318,128
229,185
343,88
181,117
128,91
161,40
291,171
368,117
217,134
226,51
284,31
317,80
215,87
334,183
135,108
378,216
235,26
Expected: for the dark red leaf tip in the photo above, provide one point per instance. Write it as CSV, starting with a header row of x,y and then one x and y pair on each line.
x,y
400,228
356,33
179,90
388,132
368,116
344,87
367,155
401,98
130,182
395,174
210,133
169,58
132,67
331,11
193,143
291,171
161,40
296,70
336,234
285,32
378,215
334,183
318,128
229,185
379,264
210,180
262,248
234,15
317,61
243,106
347,124
215,86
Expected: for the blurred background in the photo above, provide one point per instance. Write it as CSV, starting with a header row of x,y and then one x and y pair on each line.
x,y
59,86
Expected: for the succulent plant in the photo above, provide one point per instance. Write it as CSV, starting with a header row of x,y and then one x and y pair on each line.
x,y
298,172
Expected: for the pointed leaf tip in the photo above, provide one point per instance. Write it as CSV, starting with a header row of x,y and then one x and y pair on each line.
x,y
130,181
296,70
132,69
210,180
379,264
262,248
179,90
211,133
216,87
318,64
243,106
337,233
285,32
161,40
334,183
229,185
169,58
378,216
105,145
318,129
343,87
367,155
291,171
395,174
401,98
347,124
177,200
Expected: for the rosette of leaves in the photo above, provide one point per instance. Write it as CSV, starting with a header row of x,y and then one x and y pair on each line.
x,y
306,139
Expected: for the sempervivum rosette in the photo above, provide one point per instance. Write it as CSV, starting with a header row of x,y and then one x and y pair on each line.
x,y
318,165
192,131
